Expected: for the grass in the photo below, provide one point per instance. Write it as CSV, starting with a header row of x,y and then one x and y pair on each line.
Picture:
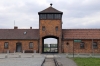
x,y
45,49
87,61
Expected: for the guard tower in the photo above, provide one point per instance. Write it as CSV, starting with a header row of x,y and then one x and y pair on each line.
x,y
50,26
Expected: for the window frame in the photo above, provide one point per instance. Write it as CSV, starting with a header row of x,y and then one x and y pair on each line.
x,y
31,45
95,45
82,45
43,28
51,16
56,28
43,16
57,16
6,45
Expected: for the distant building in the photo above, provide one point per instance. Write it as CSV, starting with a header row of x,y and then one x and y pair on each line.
x,y
50,26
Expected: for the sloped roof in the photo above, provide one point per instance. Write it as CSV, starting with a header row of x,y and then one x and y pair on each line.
x,y
81,33
50,10
19,34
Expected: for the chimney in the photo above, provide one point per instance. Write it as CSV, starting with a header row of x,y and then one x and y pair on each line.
x,y
30,27
15,27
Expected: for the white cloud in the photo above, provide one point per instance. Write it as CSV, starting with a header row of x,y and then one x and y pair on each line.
x,y
77,13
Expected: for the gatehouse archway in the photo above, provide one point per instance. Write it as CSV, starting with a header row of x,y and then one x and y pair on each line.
x,y
50,44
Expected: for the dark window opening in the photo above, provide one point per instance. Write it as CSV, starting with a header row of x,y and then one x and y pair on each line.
x,y
43,28
6,45
95,46
82,45
50,16
57,16
31,45
42,16
56,28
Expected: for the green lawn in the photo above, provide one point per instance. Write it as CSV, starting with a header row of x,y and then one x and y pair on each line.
x,y
46,49
87,61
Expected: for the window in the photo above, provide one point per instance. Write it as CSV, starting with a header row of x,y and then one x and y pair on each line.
x,y
43,28
25,33
6,45
95,46
31,45
49,16
57,16
42,16
82,45
56,28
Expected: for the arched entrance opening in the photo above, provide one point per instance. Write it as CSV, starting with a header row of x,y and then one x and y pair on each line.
x,y
50,44
18,47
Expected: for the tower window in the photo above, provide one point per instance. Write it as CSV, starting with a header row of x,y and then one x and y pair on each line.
x,y
57,16
43,28
56,28
82,45
95,46
6,45
42,16
31,45
49,16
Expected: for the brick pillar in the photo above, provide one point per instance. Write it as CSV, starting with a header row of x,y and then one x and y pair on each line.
x,y
59,45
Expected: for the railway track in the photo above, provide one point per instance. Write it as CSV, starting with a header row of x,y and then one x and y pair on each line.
x,y
50,61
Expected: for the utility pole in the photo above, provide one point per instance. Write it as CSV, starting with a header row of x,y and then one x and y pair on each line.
x,y
73,48
92,47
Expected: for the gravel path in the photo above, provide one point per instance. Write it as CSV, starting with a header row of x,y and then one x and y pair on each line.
x,y
24,60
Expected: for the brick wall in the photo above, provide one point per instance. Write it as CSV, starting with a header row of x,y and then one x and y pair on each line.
x,y
77,49
12,45
50,30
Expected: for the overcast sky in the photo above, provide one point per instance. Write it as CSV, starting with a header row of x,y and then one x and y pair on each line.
x,y
50,41
76,13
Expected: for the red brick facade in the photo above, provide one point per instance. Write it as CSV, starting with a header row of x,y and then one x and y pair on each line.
x,y
75,46
50,30
12,45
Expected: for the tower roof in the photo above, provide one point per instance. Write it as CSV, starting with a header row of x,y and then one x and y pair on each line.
x,y
50,10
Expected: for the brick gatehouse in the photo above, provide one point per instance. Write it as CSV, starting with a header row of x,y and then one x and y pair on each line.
x,y
50,26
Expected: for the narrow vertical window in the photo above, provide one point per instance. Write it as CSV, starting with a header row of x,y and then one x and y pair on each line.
x,y
56,28
95,46
31,45
6,45
43,28
82,45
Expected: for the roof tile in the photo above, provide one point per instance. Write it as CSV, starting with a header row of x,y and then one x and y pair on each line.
x,y
81,33
19,34
50,10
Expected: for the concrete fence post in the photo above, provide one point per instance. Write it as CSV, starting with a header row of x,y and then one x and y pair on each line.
x,y
78,55
19,55
90,55
23,51
34,51
67,55
14,51
7,51
32,55
6,56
